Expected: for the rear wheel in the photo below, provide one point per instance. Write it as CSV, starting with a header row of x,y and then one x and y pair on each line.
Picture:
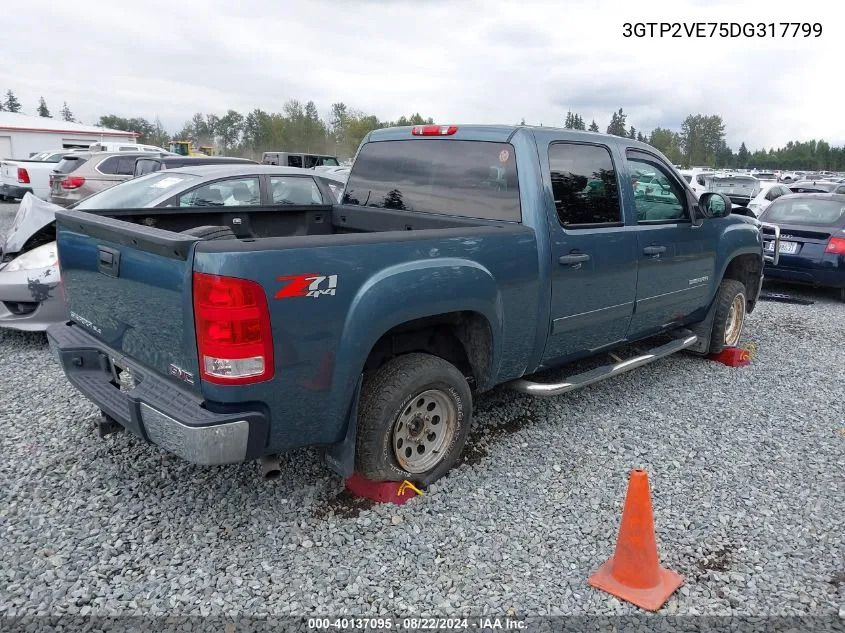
x,y
413,419
729,319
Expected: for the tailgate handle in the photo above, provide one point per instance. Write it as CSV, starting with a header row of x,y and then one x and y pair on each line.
x,y
108,261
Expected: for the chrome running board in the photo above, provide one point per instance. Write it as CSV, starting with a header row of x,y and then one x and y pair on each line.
x,y
605,371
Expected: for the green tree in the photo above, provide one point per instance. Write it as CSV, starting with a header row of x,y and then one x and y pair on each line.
x,y
617,123
67,115
742,156
42,108
632,133
702,136
667,142
594,127
641,137
158,135
228,129
11,103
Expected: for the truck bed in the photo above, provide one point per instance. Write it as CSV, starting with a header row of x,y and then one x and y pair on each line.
x,y
260,222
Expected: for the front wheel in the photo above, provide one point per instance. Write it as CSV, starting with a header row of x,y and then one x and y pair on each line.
x,y
413,419
730,315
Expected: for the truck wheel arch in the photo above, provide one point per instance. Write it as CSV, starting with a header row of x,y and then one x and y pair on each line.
x,y
464,338
745,268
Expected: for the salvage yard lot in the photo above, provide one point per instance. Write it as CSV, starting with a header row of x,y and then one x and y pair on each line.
x,y
746,468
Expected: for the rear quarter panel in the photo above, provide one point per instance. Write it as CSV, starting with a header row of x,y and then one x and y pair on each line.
x,y
383,280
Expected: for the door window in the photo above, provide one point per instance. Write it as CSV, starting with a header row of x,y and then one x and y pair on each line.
x,y
584,185
125,165
294,190
108,166
294,161
658,197
236,192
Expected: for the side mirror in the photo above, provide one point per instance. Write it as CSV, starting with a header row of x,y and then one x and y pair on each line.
x,y
714,205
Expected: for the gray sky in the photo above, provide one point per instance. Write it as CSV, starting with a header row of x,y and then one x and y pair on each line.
x,y
489,61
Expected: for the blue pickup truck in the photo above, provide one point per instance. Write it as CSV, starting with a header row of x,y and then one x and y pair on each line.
x,y
460,258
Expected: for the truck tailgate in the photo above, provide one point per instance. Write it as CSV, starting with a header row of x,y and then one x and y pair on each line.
x,y
124,283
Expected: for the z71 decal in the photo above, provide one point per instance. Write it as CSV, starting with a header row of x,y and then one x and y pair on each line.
x,y
307,285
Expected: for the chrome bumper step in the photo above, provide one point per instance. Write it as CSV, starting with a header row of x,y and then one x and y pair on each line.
x,y
605,371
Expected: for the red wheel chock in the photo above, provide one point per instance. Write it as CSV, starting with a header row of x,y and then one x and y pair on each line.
x,y
734,356
397,492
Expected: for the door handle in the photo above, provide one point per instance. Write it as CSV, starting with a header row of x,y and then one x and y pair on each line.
x,y
654,251
108,261
574,259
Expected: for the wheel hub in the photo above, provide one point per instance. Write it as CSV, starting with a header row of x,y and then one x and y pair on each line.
x,y
423,430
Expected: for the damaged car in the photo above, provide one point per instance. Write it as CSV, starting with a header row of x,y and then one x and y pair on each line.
x,y
29,269
30,293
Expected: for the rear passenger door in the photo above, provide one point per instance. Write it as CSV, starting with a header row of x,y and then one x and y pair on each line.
x,y
594,256
676,260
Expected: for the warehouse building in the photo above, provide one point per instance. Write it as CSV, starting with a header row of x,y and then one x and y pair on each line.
x,y
22,135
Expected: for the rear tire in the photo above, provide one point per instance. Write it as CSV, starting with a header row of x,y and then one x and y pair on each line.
x,y
729,320
413,420
212,232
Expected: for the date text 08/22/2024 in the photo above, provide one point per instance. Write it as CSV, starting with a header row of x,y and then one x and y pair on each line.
x,y
418,624
721,29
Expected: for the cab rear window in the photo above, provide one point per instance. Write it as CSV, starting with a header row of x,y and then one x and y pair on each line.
x,y
475,179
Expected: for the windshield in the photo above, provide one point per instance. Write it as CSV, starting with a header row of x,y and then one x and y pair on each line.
x,y
817,212
138,193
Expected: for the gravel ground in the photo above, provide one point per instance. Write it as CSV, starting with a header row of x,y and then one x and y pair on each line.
x,y
747,470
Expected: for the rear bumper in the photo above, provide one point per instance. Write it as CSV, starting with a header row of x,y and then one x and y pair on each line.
x,y
811,273
156,409
14,191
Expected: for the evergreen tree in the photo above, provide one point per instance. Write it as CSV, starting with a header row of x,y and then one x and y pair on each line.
x,y
568,124
67,115
743,154
594,127
641,137
42,108
11,103
617,124
632,133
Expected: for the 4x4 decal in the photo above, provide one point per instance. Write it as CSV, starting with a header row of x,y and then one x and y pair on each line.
x,y
307,285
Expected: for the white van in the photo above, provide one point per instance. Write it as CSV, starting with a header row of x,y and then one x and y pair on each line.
x,y
125,147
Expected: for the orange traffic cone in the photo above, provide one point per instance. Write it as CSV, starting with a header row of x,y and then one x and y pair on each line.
x,y
634,573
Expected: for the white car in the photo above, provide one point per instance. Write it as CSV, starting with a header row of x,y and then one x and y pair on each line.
x,y
769,192
29,175
697,178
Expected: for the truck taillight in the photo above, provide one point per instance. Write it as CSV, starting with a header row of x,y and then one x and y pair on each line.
x,y
434,130
234,339
23,176
73,182
836,246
